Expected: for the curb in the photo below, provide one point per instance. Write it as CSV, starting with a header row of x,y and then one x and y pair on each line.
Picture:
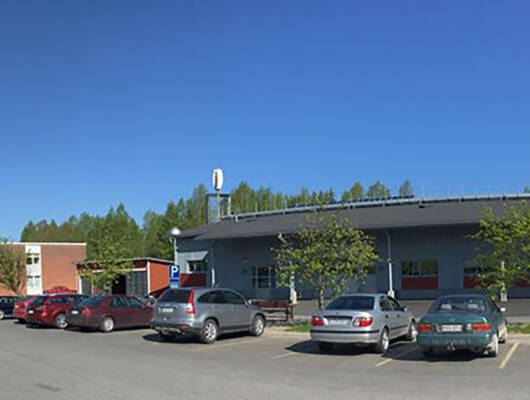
x,y
279,332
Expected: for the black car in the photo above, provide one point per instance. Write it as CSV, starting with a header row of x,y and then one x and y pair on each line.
x,y
7,303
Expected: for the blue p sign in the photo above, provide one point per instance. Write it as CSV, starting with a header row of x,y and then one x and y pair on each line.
x,y
174,276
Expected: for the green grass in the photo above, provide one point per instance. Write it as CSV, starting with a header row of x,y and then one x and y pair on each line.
x,y
512,328
519,328
300,328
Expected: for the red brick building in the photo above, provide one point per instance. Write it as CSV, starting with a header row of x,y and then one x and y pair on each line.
x,y
50,265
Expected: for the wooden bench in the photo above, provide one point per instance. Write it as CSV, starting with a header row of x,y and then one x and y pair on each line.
x,y
273,308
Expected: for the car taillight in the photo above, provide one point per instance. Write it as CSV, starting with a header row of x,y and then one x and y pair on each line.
x,y
317,321
481,327
363,321
190,307
85,311
425,327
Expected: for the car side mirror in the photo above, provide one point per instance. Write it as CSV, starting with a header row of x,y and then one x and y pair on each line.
x,y
405,308
502,310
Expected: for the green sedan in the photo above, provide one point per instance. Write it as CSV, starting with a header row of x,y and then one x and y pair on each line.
x,y
470,322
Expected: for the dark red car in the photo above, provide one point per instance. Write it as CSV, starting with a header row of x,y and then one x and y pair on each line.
x,y
51,310
107,312
21,307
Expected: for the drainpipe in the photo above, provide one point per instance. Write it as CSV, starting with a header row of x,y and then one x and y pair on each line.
x,y
212,268
389,261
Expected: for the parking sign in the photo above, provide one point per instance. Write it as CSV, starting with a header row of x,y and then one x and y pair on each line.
x,y
174,276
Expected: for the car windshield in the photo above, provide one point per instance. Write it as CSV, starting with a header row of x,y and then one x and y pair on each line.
x,y
175,296
352,303
468,304
93,301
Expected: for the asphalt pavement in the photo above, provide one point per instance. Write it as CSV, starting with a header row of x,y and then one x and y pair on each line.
x,y
45,364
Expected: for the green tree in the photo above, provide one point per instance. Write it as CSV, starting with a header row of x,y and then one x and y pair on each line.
x,y
325,255
527,189
505,240
243,199
12,266
113,239
405,190
378,191
356,192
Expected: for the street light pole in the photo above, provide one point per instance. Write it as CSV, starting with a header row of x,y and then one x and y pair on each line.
x,y
173,233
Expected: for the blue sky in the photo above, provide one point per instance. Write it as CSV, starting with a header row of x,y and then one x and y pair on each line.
x,y
137,101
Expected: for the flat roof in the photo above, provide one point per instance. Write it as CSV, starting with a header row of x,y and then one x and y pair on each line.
x,y
367,216
158,260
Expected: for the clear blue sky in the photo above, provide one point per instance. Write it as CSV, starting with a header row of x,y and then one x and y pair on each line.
x,y
137,101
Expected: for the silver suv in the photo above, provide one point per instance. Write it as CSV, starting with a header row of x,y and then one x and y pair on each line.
x,y
206,313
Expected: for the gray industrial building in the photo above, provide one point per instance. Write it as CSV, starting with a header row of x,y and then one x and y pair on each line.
x,y
423,245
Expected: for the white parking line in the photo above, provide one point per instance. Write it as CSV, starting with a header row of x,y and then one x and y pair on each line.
x,y
509,355
218,346
284,355
384,362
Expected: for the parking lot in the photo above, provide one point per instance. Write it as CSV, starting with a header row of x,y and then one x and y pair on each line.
x,y
39,363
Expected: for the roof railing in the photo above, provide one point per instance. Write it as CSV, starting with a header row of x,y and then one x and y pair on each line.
x,y
390,201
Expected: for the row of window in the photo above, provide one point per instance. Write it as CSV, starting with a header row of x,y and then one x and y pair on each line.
x,y
265,277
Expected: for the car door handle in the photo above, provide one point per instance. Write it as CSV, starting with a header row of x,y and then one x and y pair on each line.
x,y
386,315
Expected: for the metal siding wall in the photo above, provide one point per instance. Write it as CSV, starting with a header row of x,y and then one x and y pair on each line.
x,y
234,258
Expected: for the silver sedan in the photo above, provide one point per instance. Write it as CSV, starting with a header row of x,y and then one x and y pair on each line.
x,y
373,319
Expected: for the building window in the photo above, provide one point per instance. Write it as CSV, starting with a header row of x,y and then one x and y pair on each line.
x,y
472,269
197,265
264,277
136,283
421,268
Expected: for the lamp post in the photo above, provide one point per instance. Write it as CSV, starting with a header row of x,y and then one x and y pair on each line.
x,y
173,234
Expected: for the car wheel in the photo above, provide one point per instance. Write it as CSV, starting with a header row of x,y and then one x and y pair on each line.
x,y
258,326
209,332
493,350
325,347
60,321
413,332
2,315
21,321
384,342
428,352
107,325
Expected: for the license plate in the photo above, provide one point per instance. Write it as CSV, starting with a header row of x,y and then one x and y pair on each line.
x,y
338,321
451,328
75,312
166,310
30,312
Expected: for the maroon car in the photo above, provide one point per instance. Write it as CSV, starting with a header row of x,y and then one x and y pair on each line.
x,y
51,310
21,307
107,312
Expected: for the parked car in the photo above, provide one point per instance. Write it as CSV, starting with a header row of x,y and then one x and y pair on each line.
x,y
7,304
206,313
364,319
108,312
51,310
470,322
21,307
